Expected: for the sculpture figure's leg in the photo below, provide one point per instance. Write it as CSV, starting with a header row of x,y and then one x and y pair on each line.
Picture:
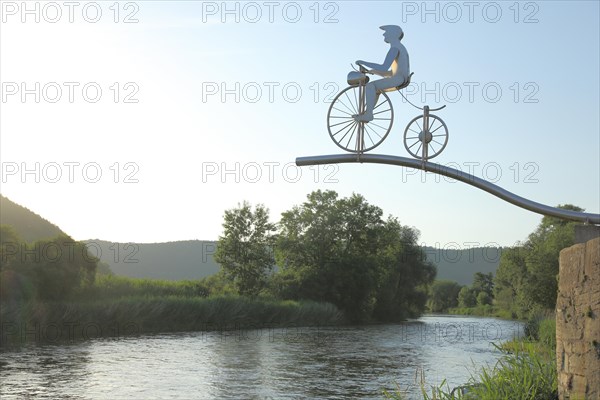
x,y
371,97
372,91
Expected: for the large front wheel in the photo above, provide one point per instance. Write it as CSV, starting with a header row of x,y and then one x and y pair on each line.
x,y
353,136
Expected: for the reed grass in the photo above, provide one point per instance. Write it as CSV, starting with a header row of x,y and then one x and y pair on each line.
x,y
525,371
120,306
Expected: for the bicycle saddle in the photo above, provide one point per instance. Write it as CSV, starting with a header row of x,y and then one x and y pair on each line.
x,y
356,78
405,83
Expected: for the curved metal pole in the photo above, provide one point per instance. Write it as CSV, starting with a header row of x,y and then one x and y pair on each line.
x,y
455,174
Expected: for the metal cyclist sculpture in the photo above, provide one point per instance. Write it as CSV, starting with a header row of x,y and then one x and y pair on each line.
x,y
361,116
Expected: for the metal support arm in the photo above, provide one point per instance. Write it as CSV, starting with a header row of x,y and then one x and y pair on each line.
x,y
455,174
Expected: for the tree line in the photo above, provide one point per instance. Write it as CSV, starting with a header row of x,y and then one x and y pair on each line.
x,y
43,270
329,249
526,281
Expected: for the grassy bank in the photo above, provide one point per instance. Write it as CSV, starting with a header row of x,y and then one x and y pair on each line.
x,y
526,370
482,311
115,287
117,306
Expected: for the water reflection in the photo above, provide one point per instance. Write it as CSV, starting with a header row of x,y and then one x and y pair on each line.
x,y
44,371
348,362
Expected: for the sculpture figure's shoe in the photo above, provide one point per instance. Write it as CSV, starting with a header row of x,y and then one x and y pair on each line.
x,y
366,117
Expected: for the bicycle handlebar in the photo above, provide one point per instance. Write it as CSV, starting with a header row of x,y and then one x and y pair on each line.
x,y
361,69
437,109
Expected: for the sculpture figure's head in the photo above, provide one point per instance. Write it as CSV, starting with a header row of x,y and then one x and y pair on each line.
x,y
391,31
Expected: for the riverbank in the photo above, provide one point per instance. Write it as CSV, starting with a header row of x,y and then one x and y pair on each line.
x,y
526,371
123,307
483,311
131,316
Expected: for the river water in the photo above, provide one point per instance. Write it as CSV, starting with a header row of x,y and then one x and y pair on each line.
x,y
292,363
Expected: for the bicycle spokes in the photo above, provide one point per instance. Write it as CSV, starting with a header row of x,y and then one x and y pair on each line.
x,y
354,136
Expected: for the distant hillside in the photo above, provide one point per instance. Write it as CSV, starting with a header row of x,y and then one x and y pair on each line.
x,y
26,223
181,260
460,265
194,260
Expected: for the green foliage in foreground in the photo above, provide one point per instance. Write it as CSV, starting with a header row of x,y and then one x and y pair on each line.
x,y
525,371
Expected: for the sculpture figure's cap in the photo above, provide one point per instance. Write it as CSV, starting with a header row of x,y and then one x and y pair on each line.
x,y
394,30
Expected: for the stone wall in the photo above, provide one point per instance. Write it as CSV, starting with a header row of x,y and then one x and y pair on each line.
x,y
578,322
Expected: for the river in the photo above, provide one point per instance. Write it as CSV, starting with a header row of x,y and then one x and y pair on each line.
x,y
267,363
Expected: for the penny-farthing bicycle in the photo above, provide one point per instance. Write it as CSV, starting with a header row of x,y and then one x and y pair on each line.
x,y
425,136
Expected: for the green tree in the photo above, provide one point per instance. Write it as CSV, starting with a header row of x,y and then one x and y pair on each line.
x,y
467,297
483,298
10,246
326,250
245,248
510,276
483,283
44,270
104,269
11,285
342,251
542,250
526,279
404,273
444,295
59,266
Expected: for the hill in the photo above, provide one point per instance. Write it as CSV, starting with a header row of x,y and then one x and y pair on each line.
x,y
192,259
29,225
460,265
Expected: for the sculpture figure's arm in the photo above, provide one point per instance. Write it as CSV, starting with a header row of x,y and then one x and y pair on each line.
x,y
382,69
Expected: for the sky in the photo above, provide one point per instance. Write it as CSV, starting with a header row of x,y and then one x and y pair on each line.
x,y
143,121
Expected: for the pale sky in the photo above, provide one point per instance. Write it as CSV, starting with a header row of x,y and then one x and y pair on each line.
x,y
186,108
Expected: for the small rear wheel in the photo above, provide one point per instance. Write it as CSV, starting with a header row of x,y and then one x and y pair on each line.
x,y
425,140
